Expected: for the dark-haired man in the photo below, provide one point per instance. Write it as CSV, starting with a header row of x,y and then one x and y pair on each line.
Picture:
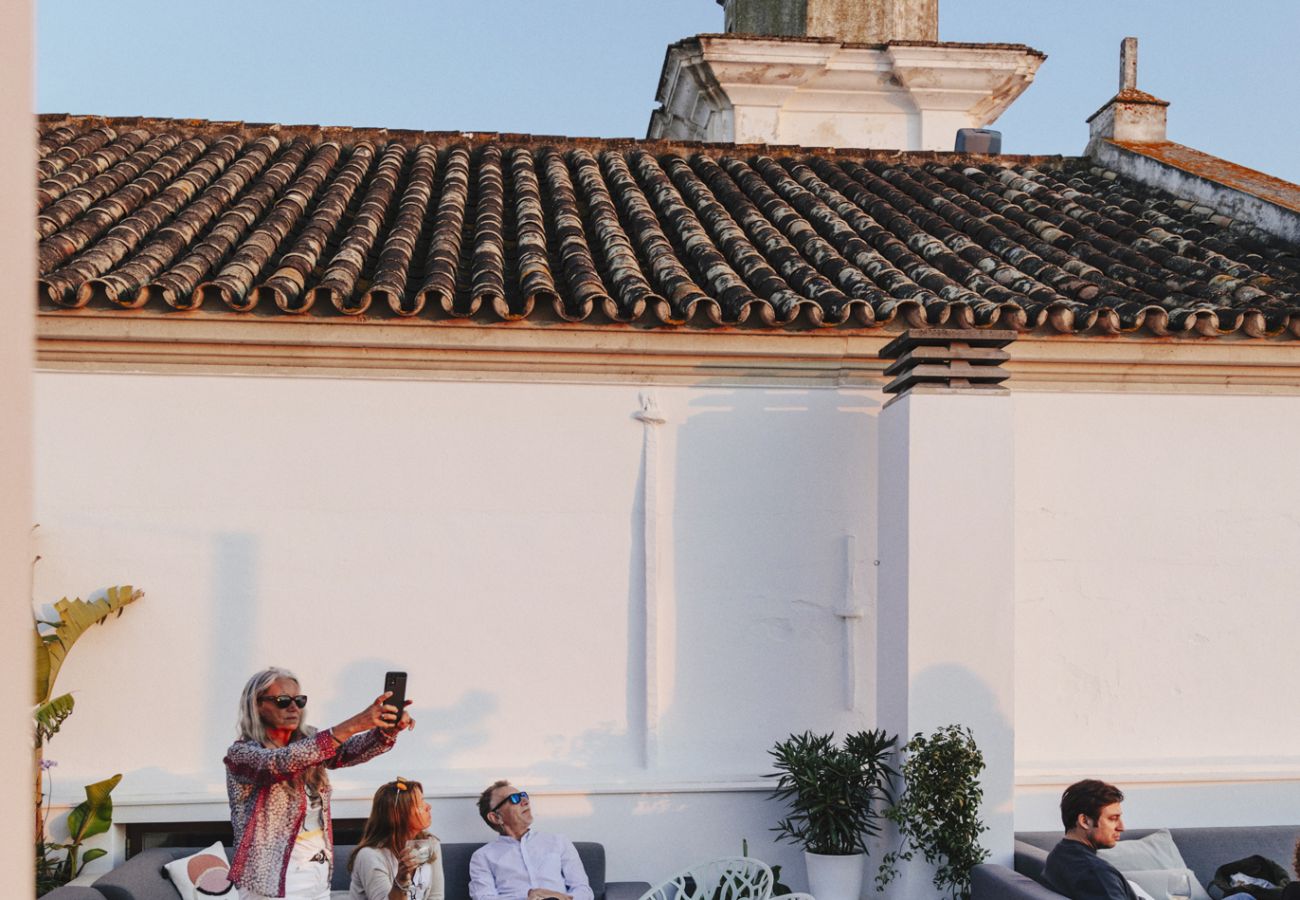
x,y
1094,820
522,864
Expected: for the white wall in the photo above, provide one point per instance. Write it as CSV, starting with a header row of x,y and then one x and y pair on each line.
x,y
487,538
1158,564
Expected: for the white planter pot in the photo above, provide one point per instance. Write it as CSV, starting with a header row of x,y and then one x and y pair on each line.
x,y
835,877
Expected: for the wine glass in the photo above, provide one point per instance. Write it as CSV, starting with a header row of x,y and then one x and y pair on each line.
x,y
1180,886
423,847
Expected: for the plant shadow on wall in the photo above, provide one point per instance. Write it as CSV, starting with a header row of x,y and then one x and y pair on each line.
x,y
442,732
58,863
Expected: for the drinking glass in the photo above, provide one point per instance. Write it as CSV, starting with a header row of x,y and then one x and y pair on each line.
x,y
423,847
1180,886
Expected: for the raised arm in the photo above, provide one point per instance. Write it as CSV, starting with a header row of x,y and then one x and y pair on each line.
x,y
250,761
354,740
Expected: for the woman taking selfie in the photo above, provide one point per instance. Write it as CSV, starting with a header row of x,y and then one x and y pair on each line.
x,y
397,858
280,792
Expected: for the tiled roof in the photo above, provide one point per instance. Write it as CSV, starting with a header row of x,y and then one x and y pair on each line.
x,y
177,215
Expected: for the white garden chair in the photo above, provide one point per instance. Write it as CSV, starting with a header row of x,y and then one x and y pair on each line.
x,y
732,878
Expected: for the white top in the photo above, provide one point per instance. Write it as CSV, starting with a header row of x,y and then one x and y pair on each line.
x,y
507,869
374,871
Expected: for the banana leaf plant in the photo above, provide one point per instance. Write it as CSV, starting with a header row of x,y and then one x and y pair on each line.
x,y
53,639
90,817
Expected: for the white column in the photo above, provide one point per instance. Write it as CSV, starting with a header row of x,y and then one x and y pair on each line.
x,y
17,302
946,586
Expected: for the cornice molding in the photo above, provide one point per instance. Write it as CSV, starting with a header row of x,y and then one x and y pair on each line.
x,y
219,343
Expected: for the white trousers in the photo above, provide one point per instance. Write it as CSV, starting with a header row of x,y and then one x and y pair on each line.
x,y
308,875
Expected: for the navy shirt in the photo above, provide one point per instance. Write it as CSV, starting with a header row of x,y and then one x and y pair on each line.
x,y
1076,871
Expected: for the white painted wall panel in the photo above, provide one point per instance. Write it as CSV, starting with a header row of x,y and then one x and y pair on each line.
x,y
1158,559
485,537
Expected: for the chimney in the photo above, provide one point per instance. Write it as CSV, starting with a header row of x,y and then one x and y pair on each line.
x,y
835,73
1131,116
852,21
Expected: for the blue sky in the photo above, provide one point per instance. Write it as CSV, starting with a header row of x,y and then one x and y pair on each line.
x,y
590,67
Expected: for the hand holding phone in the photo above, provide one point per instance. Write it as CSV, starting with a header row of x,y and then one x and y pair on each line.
x,y
396,683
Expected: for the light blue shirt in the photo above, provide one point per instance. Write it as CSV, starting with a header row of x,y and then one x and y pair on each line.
x,y
507,869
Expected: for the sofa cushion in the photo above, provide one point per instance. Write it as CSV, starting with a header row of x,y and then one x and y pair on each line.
x,y
208,869
1153,853
1155,882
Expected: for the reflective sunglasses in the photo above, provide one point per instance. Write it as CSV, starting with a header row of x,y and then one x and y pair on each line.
x,y
514,800
283,700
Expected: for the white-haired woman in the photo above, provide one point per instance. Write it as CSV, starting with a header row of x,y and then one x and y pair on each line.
x,y
279,790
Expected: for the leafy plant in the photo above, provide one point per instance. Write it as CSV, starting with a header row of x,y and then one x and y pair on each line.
x,y
834,792
938,813
57,863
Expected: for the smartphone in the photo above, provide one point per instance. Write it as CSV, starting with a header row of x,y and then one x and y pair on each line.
x,y
396,682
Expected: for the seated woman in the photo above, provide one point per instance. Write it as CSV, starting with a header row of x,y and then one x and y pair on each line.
x,y
397,858
279,790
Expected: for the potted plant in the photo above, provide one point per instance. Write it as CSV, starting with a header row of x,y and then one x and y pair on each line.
x,y
938,813
835,795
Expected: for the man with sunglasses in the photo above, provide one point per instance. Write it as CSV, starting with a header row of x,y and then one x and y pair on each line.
x,y
522,864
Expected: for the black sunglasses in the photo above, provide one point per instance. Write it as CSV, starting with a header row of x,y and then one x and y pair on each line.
x,y
514,800
283,700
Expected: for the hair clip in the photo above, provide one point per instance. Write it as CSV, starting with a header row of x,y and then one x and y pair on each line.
x,y
400,784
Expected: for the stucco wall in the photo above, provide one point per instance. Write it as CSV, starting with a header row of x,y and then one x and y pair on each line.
x,y
488,539
1158,558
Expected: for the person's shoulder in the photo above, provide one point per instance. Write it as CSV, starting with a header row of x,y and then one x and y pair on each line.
x,y
552,838
366,858
487,847
1064,847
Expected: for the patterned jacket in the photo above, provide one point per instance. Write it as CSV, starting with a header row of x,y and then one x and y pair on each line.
x,y
268,800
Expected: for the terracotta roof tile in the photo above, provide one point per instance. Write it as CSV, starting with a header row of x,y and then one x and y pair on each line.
x,y
175,215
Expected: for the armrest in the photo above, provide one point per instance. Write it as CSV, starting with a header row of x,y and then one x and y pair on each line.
x,y
994,882
141,877
73,892
625,890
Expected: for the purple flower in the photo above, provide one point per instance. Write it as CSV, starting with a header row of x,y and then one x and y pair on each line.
x,y
47,764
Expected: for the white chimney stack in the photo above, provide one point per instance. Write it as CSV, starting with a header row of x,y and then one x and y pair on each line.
x,y
835,73
1131,116
851,21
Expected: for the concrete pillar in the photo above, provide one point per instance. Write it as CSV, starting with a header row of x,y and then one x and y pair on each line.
x,y
1128,64
853,21
18,276
946,548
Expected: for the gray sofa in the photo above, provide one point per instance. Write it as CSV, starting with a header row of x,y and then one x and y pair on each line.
x,y
1203,849
142,876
